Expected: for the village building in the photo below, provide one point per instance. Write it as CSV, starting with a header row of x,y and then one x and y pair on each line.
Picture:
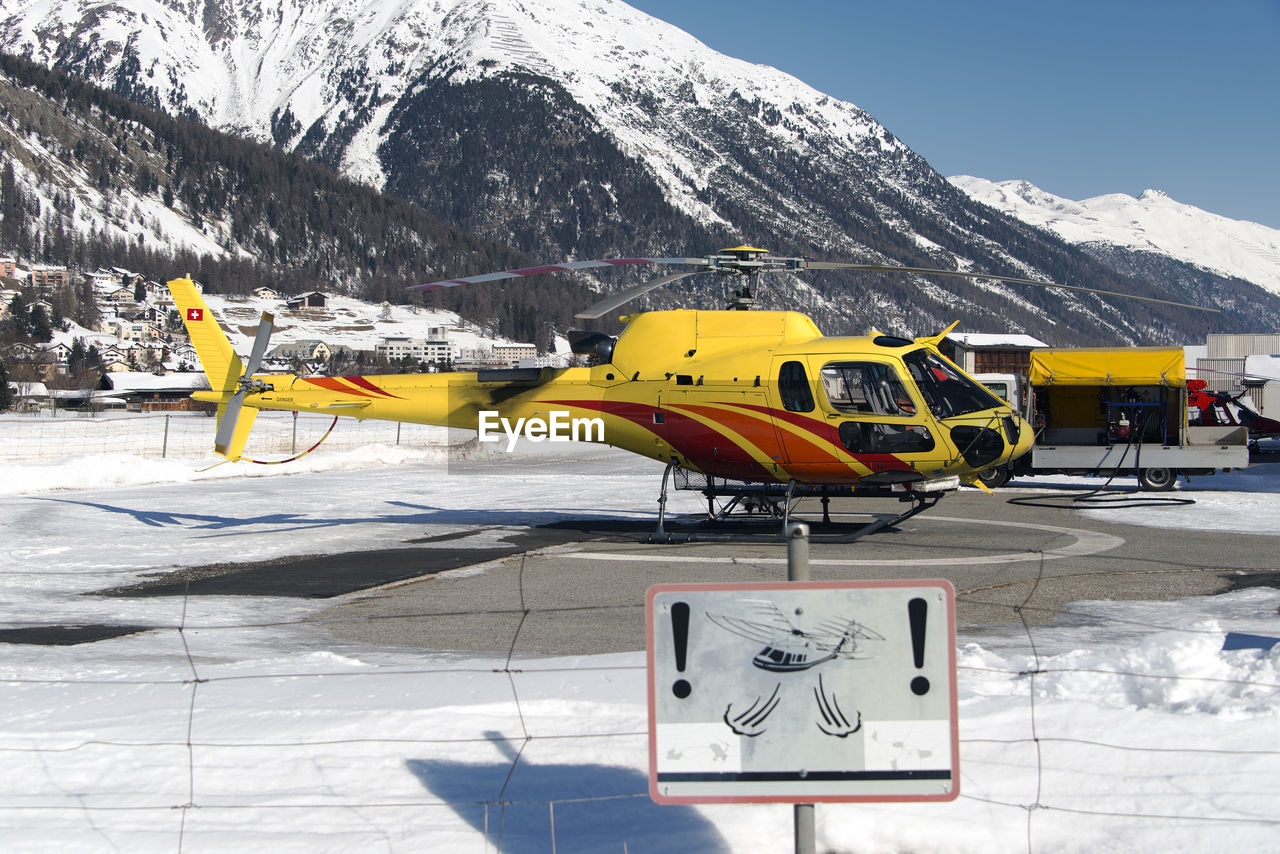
x,y
306,351
146,392
8,266
394,348
311,299
511,354
48,277
551,361
102,281
29,396
987,353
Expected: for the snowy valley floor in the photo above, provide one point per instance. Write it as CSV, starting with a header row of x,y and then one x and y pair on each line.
x,y
1124,726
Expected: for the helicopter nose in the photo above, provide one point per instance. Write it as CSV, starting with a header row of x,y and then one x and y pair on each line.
x,y
1020,434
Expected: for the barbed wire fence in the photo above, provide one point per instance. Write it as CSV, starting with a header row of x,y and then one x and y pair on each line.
x,y
192,694
176,782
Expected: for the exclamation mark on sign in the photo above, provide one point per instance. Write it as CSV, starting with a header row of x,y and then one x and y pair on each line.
x,y
917,611
680,634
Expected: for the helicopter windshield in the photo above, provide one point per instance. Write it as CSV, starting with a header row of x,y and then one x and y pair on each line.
x,y
946,390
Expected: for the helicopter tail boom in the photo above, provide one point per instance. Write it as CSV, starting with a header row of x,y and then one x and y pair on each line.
x,y
217,357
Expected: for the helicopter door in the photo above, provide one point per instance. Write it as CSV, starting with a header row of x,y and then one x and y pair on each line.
x,y
859,421
723,433
809,443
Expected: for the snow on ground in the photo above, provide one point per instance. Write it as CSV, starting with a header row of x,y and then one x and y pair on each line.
x,y
239,728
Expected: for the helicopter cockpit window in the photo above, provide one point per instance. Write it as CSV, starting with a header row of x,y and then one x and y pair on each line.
x,y
866,388
946,390
793,388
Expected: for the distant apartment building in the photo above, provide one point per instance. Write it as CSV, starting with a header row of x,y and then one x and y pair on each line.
x,y
49,277
8,266
511,354
393,348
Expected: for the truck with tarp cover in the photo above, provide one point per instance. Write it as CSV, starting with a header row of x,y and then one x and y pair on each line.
x,y
1110,411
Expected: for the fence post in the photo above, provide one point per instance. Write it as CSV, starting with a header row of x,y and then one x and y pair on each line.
x,y
397,432
164,448
293,446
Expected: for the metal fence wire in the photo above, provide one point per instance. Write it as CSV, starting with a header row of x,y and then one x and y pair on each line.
x,y
42,437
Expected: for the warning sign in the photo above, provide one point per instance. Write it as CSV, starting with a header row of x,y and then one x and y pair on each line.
x,y
802,692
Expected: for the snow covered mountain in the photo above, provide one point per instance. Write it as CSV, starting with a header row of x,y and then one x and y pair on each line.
x,y
584,128
1152,223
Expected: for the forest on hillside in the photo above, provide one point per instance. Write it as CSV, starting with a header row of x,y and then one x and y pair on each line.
x,y
291,223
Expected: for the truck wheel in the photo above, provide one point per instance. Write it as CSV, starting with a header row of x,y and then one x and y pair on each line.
x,y
1157,480
995,477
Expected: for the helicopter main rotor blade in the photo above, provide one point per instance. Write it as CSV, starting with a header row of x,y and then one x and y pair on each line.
x,y
227,423
881,268
260,340
558,268
627,294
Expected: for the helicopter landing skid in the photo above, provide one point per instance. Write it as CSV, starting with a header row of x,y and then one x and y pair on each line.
x,y
748,502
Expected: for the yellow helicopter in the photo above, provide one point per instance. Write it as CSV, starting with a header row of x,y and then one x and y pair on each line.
x,y
756,407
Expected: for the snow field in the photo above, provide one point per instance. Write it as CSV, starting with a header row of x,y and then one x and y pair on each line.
x,y
237,724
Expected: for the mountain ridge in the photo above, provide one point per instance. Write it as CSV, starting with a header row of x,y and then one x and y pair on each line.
x,y
645,143
1152,222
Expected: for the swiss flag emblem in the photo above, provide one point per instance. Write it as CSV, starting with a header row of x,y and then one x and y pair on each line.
x,y
195,314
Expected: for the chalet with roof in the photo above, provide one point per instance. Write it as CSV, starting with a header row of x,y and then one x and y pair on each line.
x,y
102,281
266,293
311,299
45,306
306,351
128,278
119,296
147,314
183,353
146,392
29,396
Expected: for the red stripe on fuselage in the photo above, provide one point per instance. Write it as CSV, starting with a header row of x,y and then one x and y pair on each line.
x,y
711,451
829,434
335,384
365,384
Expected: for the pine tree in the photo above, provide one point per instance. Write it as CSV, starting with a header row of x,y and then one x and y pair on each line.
x,y
10,209
39,325
6,394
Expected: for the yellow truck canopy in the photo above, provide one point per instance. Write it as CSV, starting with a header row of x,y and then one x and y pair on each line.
x,y
1102,366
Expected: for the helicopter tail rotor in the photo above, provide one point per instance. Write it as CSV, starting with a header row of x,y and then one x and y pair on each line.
x,y
232,434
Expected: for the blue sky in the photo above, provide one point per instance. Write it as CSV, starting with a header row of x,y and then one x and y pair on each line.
x,y
1080,98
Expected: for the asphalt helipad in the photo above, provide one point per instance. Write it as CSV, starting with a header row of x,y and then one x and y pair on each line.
x,y
579,588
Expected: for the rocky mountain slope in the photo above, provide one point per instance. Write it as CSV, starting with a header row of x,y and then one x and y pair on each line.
x,y
583,128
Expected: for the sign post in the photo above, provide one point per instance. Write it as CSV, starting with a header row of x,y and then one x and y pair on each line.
x,y
803,815
801,691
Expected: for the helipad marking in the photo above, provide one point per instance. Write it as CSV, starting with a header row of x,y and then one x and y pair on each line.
x,y
1086,543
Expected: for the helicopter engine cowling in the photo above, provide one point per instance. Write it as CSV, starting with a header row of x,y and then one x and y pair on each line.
x,y
592,344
